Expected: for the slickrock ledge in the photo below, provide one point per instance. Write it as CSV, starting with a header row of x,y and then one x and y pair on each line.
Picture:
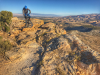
x,y
46,49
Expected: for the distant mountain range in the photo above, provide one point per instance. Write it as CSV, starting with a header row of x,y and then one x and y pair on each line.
x,y
84,16
36,15
53,15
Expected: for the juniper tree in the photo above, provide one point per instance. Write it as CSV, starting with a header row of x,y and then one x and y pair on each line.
x,y
5,20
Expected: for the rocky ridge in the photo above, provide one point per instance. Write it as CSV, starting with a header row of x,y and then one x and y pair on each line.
x,y
46,49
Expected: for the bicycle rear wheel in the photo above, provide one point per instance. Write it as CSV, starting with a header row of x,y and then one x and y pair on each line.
x,y
27,24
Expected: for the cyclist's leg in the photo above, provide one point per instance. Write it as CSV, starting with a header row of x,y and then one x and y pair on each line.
x,y
28,16
30,23
25,19
25,16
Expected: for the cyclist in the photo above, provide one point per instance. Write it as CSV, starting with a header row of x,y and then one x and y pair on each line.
x,y
25,12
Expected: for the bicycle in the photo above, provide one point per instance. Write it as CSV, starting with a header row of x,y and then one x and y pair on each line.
x,y
28,22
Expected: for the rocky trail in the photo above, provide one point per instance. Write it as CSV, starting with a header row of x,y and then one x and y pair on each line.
x,y
46,49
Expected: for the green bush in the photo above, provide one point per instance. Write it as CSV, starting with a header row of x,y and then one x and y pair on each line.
x,y
5,46
5,20
7,29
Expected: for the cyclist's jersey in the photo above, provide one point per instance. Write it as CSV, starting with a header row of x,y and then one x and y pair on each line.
x,y
25,11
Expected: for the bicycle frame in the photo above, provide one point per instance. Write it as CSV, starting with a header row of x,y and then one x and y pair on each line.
x,y
27,22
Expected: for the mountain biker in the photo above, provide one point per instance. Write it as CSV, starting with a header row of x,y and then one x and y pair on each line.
x,y
25,12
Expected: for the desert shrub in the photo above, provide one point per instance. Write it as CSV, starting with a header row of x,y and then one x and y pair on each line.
x,y
46,22
0,38
40,63
43,34
61,72
5,46
5,20
0,28
87,21
88,26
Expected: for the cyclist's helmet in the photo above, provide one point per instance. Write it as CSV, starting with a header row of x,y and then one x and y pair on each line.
x,y
25,7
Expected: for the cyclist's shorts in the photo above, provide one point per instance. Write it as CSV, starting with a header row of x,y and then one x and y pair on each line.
x,y
27,15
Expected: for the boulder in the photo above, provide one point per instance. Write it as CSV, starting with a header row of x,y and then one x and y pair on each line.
x,y
16,31
12,35
12,55
1,33
31,44
53,59
48,25
84,69
60,30
14,18
63,32
29,57
36,24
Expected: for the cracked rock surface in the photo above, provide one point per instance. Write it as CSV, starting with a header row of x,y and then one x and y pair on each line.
x,y
50,50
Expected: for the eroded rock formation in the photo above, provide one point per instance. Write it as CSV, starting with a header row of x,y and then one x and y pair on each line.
x,y
46,49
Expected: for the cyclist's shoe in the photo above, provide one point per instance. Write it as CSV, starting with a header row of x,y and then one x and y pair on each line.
x,y
25,21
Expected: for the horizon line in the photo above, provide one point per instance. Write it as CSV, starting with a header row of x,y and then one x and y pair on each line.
x,y
60,15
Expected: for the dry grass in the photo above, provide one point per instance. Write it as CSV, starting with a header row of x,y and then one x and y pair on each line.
x,y
43,34
40,63
60,71
48,40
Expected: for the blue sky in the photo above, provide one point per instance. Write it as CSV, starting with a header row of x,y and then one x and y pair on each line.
x,y
58,7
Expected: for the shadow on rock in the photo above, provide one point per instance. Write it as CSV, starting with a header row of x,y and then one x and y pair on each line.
x,y
79,28
88,64
88,58
38,62
94,23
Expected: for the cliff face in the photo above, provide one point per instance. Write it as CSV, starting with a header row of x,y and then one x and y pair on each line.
x,y
46,49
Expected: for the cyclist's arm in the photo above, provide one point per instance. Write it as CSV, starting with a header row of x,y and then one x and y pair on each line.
x,y
29,10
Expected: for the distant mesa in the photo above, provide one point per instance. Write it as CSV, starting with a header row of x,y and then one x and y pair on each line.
x,y
84,16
